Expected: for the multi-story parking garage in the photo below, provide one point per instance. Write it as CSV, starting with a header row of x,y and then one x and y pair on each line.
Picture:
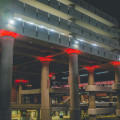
x,y
59,58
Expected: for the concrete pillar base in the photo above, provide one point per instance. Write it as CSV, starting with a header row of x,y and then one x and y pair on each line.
x,y
45,114
74,114
118,112
91,117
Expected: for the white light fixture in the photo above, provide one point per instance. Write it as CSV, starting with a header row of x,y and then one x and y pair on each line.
x,y
80,40
41,26
76,42
94,44
31,23
102,72
19,19
52,30
62,33
12,22
84,75
64,77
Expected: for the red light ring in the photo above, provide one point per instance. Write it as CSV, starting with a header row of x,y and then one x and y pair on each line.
x,y
70,51
21,81
91,68
45,59
8,33
115,63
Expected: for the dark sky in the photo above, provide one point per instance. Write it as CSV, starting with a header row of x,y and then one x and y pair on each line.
x,y
112,7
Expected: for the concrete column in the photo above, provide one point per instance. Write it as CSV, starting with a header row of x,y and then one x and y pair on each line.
x,y
91,94
45,104
117,81
20,96
6,77
111,97
74,88
117,74
17,95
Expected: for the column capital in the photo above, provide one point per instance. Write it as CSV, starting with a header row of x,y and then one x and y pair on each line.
x,y
7,33
45,59
72,51
21,81
91,68
116,64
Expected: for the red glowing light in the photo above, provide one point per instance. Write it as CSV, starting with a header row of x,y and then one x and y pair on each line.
x,y
70,51
115,63
49,56
51,74
21,81
8,33
91,68
44,59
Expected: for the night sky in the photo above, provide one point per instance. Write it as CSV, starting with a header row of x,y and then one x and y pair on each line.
x,y
112,7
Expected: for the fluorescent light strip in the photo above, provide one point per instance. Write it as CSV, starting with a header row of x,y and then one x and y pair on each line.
x,y
98,73
84,75
64,77
102,72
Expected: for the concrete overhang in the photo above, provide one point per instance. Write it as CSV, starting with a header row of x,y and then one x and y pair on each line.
x,y
89,13
55,12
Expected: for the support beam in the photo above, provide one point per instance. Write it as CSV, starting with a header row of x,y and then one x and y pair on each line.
x,y
6,75
45,104
74,88
20,95
117,82
92,104
110,97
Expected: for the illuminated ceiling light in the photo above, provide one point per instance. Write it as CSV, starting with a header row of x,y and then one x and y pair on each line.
x,y
52,30
98,73
42,27
64,77
19,19
84,75
76,42
102,72
62,33
12,22
31,23
81,40
94,44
